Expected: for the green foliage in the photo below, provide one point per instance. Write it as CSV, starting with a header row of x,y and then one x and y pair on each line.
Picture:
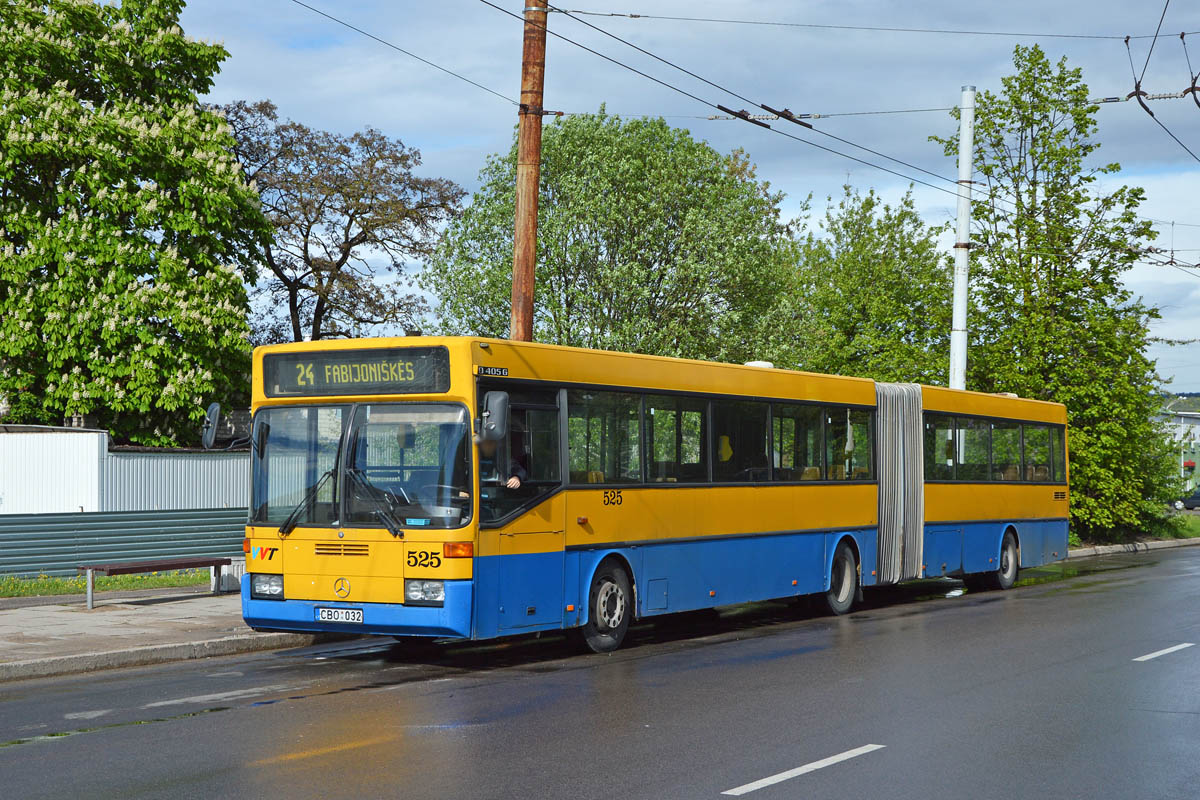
x,y
122,213
870,297
648,241
1051,318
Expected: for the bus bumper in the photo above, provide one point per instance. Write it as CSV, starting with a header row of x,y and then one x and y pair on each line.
x,y
452,619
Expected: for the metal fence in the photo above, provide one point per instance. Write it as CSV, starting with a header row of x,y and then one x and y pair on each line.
x,y
55,544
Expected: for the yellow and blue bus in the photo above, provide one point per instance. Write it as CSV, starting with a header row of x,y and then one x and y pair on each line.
x,y
474,488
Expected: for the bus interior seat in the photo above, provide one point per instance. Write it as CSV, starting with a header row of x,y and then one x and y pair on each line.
x,y
811,474
837,472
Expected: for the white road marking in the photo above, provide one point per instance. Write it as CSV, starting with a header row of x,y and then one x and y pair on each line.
x,y
86,714
798,771
1158,653
236,694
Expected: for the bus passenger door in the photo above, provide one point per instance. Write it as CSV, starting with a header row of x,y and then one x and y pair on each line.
x,y
531,568
531,544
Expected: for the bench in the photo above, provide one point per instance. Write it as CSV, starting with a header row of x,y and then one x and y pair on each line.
x,y
152,565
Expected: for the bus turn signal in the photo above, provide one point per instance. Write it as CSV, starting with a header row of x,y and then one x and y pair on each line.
x,y
458,549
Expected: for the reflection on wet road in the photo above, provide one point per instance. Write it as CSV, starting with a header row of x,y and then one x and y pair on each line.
x,y
926,688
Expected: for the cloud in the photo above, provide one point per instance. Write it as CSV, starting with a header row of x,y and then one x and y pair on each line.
x,y
330,77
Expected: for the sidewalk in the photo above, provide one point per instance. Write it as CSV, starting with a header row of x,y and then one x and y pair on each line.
x,y
54,636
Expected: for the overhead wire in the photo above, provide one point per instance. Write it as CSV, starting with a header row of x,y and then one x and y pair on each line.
x,y
877,28
754,103
1192,76
719,107
1153,41
755,119
695,97
1137,83
406,52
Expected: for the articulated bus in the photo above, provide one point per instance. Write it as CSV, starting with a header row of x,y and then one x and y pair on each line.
x,y
474,488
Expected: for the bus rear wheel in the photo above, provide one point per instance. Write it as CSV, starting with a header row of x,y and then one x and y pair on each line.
x,y
843,581
1006,575
610,606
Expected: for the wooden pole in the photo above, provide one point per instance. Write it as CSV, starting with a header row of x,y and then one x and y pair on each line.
x,y
529,156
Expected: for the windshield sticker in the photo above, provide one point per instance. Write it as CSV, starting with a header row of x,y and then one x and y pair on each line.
x,y
416,522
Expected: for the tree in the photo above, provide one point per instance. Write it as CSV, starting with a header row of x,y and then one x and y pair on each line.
x,y
346,211
1051,318
648,241
122,213
870,297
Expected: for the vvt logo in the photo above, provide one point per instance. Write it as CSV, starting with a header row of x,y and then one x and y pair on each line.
x,y
263,553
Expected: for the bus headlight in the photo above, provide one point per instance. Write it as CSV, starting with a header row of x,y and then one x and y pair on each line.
x,y
266,587
420,592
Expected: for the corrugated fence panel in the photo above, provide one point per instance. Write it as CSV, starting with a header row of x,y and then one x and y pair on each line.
x,y
161,481
55,473
55,544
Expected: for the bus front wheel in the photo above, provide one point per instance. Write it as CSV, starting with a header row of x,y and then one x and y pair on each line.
x,y
610,606
843,581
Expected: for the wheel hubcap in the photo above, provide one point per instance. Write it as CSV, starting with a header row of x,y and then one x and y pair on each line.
x,y
1006,560
610,605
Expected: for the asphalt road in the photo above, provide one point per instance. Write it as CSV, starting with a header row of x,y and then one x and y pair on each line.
x,y
925,692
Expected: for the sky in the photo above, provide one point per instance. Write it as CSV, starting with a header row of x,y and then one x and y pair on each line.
x,y
328,76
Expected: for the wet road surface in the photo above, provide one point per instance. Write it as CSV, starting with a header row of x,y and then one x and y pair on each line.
x,y
1075,684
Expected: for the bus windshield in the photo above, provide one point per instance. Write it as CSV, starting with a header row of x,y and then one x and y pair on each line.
x,y
410,461
293,449
407,463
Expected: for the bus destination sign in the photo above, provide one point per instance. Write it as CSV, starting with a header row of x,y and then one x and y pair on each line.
x,y
396,370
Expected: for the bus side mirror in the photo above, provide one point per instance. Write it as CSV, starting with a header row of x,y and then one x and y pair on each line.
x,y
494,422
208,432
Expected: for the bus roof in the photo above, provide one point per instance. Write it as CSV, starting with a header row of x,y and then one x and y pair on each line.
x,y
560,364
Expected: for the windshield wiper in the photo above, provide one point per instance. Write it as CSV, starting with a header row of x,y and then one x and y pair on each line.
x,y
382,507
293,518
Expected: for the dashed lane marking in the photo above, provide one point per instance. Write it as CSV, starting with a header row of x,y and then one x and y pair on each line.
x,y
1164,652
804,770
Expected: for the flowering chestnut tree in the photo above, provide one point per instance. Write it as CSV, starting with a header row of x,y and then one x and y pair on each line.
x,y
126,226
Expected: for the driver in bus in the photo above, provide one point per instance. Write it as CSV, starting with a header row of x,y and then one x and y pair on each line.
x,y
513,476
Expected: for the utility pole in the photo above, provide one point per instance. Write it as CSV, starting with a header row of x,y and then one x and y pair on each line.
x,y
962,245
529,157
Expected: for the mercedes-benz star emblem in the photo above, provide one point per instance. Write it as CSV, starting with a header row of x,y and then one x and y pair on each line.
x,y
341,587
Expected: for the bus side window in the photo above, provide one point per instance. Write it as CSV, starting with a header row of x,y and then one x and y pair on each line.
x,y
848,444
742,435
939,447
972,439
1059,435
675,440
604,437
799,442
1006,451
1037,453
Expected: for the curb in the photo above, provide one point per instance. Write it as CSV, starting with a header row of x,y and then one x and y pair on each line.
x,y
1135,547
155,654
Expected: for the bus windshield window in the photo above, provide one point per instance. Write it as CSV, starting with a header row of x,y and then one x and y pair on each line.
x,y
409,462
292,450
